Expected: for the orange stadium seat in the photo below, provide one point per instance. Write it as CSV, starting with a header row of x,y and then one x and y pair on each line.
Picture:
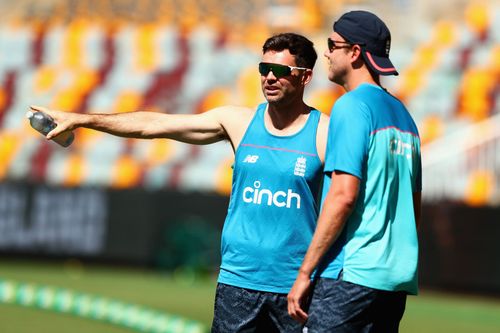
x,y
74,170
9,144
126,173
480,188
477,18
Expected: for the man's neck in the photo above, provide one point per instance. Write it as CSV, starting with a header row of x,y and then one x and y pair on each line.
x,y
286,117
357,78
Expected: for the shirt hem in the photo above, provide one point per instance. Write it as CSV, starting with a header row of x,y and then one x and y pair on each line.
x,y
256,287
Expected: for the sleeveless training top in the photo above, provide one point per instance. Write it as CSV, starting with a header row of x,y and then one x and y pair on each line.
x,y
273,208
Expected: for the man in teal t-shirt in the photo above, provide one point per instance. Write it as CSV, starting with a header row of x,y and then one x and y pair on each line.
x,y
365,247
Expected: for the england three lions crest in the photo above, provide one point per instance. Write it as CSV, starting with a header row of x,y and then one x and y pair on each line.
x,y
300,166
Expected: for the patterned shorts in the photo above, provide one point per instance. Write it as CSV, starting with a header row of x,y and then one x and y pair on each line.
x,y
343,307
244,310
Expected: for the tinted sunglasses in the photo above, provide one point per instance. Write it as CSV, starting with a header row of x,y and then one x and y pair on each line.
x,y
277,69
332,44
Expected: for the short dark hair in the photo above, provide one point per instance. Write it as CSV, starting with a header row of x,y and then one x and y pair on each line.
x,y
298,46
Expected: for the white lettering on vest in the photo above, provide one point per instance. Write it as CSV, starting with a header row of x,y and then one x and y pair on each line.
x,y
257,196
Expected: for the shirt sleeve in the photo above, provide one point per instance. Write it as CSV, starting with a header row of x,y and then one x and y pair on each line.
x,y
348,137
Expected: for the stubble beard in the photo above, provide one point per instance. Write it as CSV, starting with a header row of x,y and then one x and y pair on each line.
x,y
335,76
275,99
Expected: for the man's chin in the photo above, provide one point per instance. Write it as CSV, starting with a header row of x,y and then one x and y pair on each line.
x,y
273,99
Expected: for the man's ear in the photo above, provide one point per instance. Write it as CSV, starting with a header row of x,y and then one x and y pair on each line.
x,y
307,76
357,60
356,52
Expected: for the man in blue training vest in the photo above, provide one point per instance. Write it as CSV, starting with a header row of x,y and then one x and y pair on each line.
x,y
365,247
279,154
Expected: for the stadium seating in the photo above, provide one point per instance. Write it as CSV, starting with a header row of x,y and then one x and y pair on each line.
x,y
190,56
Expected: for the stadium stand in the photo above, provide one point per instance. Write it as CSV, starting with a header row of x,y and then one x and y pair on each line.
x,y
188,56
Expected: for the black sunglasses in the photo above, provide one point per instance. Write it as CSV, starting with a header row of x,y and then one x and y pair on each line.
x,y
332,44
277,69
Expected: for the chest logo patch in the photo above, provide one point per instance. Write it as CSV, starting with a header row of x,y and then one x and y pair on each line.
x,y
251,159
300,166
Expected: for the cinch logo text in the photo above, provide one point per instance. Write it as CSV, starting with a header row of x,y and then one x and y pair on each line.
x,y
256,195
401,148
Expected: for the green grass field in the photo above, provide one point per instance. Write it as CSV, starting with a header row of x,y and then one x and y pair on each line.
x,y
192,298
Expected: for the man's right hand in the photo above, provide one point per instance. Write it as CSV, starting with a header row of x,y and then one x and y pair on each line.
x,y
64,120
298,296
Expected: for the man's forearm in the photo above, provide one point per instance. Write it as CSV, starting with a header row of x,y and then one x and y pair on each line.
x,y
337,207
329,227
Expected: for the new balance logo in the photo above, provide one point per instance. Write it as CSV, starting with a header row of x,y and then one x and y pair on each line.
x,y
258,196
251,159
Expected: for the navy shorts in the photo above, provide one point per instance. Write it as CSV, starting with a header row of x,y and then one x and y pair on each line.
x,y
343,307
244,310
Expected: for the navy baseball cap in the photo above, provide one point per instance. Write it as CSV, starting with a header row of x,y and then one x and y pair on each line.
x,y
372,35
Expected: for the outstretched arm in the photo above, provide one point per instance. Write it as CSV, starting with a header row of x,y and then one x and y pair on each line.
x,y
339,203
203,128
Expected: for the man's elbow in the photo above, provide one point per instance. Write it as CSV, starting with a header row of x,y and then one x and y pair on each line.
x,y
347,200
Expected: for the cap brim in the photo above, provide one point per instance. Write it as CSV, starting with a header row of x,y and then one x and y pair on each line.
x,y
380,65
